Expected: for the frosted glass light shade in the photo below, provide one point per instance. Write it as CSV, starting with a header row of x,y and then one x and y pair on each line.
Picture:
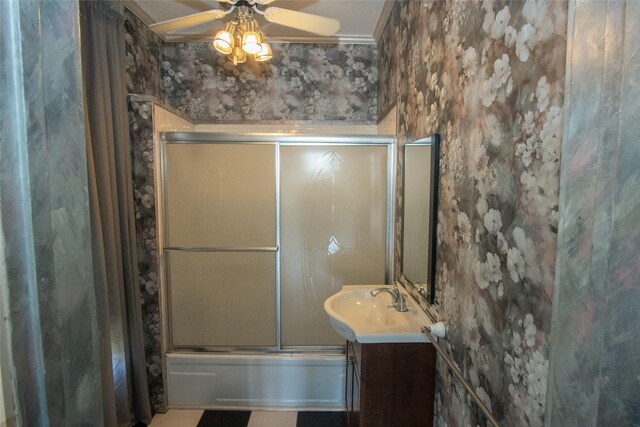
x,y
239,39
223,42
265,53
251,42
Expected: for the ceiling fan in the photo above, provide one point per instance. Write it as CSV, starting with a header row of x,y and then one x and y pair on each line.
x,y
242,35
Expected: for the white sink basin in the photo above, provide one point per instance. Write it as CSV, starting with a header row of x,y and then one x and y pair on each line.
x,y
358,316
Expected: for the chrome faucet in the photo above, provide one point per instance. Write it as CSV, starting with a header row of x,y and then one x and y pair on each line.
x,y
399,301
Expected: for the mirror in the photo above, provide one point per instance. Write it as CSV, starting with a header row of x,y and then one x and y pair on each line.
x,y
420,213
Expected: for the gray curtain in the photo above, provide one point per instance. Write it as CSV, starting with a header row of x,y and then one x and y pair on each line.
x,y
124,385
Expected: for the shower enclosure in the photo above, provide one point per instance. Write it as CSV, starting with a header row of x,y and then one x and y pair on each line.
x,y
257,231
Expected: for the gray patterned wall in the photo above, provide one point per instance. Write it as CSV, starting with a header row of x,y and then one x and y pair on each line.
x,y
594,377
302,82
44,211
489,77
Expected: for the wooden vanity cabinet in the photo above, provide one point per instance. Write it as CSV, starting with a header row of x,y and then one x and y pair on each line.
x,y
390,384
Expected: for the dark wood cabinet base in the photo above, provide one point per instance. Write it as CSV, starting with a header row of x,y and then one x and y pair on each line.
x,y
390,384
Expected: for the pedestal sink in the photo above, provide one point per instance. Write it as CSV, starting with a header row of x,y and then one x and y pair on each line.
x,y
360,317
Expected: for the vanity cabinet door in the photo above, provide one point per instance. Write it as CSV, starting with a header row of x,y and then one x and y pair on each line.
x,y
396,384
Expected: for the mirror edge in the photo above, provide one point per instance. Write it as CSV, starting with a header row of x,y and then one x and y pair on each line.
x,y
419,293
433,224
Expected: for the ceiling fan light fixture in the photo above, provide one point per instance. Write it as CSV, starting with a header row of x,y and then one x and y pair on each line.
x,y
251,38
238,56
223,41
265,53
251,43
242,36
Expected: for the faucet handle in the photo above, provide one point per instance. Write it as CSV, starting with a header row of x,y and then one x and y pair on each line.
x,y
399,299
401,302
390,291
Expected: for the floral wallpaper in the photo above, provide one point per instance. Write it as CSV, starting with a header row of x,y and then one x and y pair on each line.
x,y
301,82
141,133
489,77
145,52
321,82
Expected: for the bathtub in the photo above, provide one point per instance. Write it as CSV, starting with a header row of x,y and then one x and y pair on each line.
x,y
258,381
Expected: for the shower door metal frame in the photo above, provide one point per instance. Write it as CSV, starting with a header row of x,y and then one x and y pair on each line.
x,y
259,139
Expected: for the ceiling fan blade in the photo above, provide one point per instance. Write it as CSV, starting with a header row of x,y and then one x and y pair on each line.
x,y
188,21
302,21
263,2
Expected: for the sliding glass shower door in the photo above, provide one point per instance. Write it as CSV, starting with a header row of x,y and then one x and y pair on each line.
x,y
220,244
333,232
258,233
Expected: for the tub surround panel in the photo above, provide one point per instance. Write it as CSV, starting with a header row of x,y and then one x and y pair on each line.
x,y
172,120
299,128
489,77
595,365
169,120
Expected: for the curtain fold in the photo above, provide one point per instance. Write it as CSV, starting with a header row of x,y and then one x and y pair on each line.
x,y
124,378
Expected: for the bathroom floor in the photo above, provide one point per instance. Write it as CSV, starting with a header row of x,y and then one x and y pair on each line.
x,y
199,418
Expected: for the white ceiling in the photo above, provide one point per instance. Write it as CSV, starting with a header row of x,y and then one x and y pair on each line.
x,y
361,20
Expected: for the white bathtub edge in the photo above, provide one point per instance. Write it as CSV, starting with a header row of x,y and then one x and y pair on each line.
x,y
274,382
